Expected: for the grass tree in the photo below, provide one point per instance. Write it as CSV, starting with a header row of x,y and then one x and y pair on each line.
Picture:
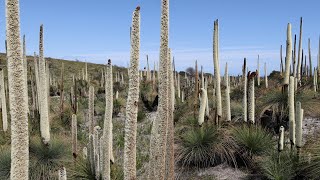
x,y
258,71
281,139
217,71
25,71
298,121
288,58
18,104
227,94
265,75
44,111
158,143
251,97
299,53
107,130
91,109
245,85
310,60
132,100
203,104
74,134
36,73
170,132
292,124
3,102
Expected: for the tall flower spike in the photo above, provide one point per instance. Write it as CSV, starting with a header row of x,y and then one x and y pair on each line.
x,y
217,69
158,150
18,105
132,100
3,102
292,124
44,114
203,104
107,122
288,56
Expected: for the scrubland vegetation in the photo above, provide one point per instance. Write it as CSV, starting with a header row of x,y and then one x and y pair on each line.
x,y
62,119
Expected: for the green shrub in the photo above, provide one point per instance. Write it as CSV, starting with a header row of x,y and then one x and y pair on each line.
x,y
118,104
279,167
310,160
5,163
83,170
253,140
205,146
45,160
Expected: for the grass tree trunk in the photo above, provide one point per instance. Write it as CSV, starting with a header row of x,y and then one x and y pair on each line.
x,y
227,94
86,74
299,53
207,106
281,139
132,100
44,114
203,103
298,120
265,75
196,86
251,98
288,58
18,105
25,72
36,73
310,59
294,67
258,74
3,102
281,62
178,86
74,133
107,122
91,109
245,85
170,132
217,71
292,124
319,58
61,92
158,150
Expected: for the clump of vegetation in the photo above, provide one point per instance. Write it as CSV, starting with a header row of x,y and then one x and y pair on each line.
x,y
5,163
252,140
205,146
46,159
279,166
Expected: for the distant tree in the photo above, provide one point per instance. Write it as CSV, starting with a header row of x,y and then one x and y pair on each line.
x,y
190,70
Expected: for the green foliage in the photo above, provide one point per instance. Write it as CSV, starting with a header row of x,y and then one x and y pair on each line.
x,y
205,146
236,93
180,109
253,140
83,170
141,159
5,163
118,104
279,167
45,160
310,160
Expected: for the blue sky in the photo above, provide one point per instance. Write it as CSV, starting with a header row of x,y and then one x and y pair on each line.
x,y
99,29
